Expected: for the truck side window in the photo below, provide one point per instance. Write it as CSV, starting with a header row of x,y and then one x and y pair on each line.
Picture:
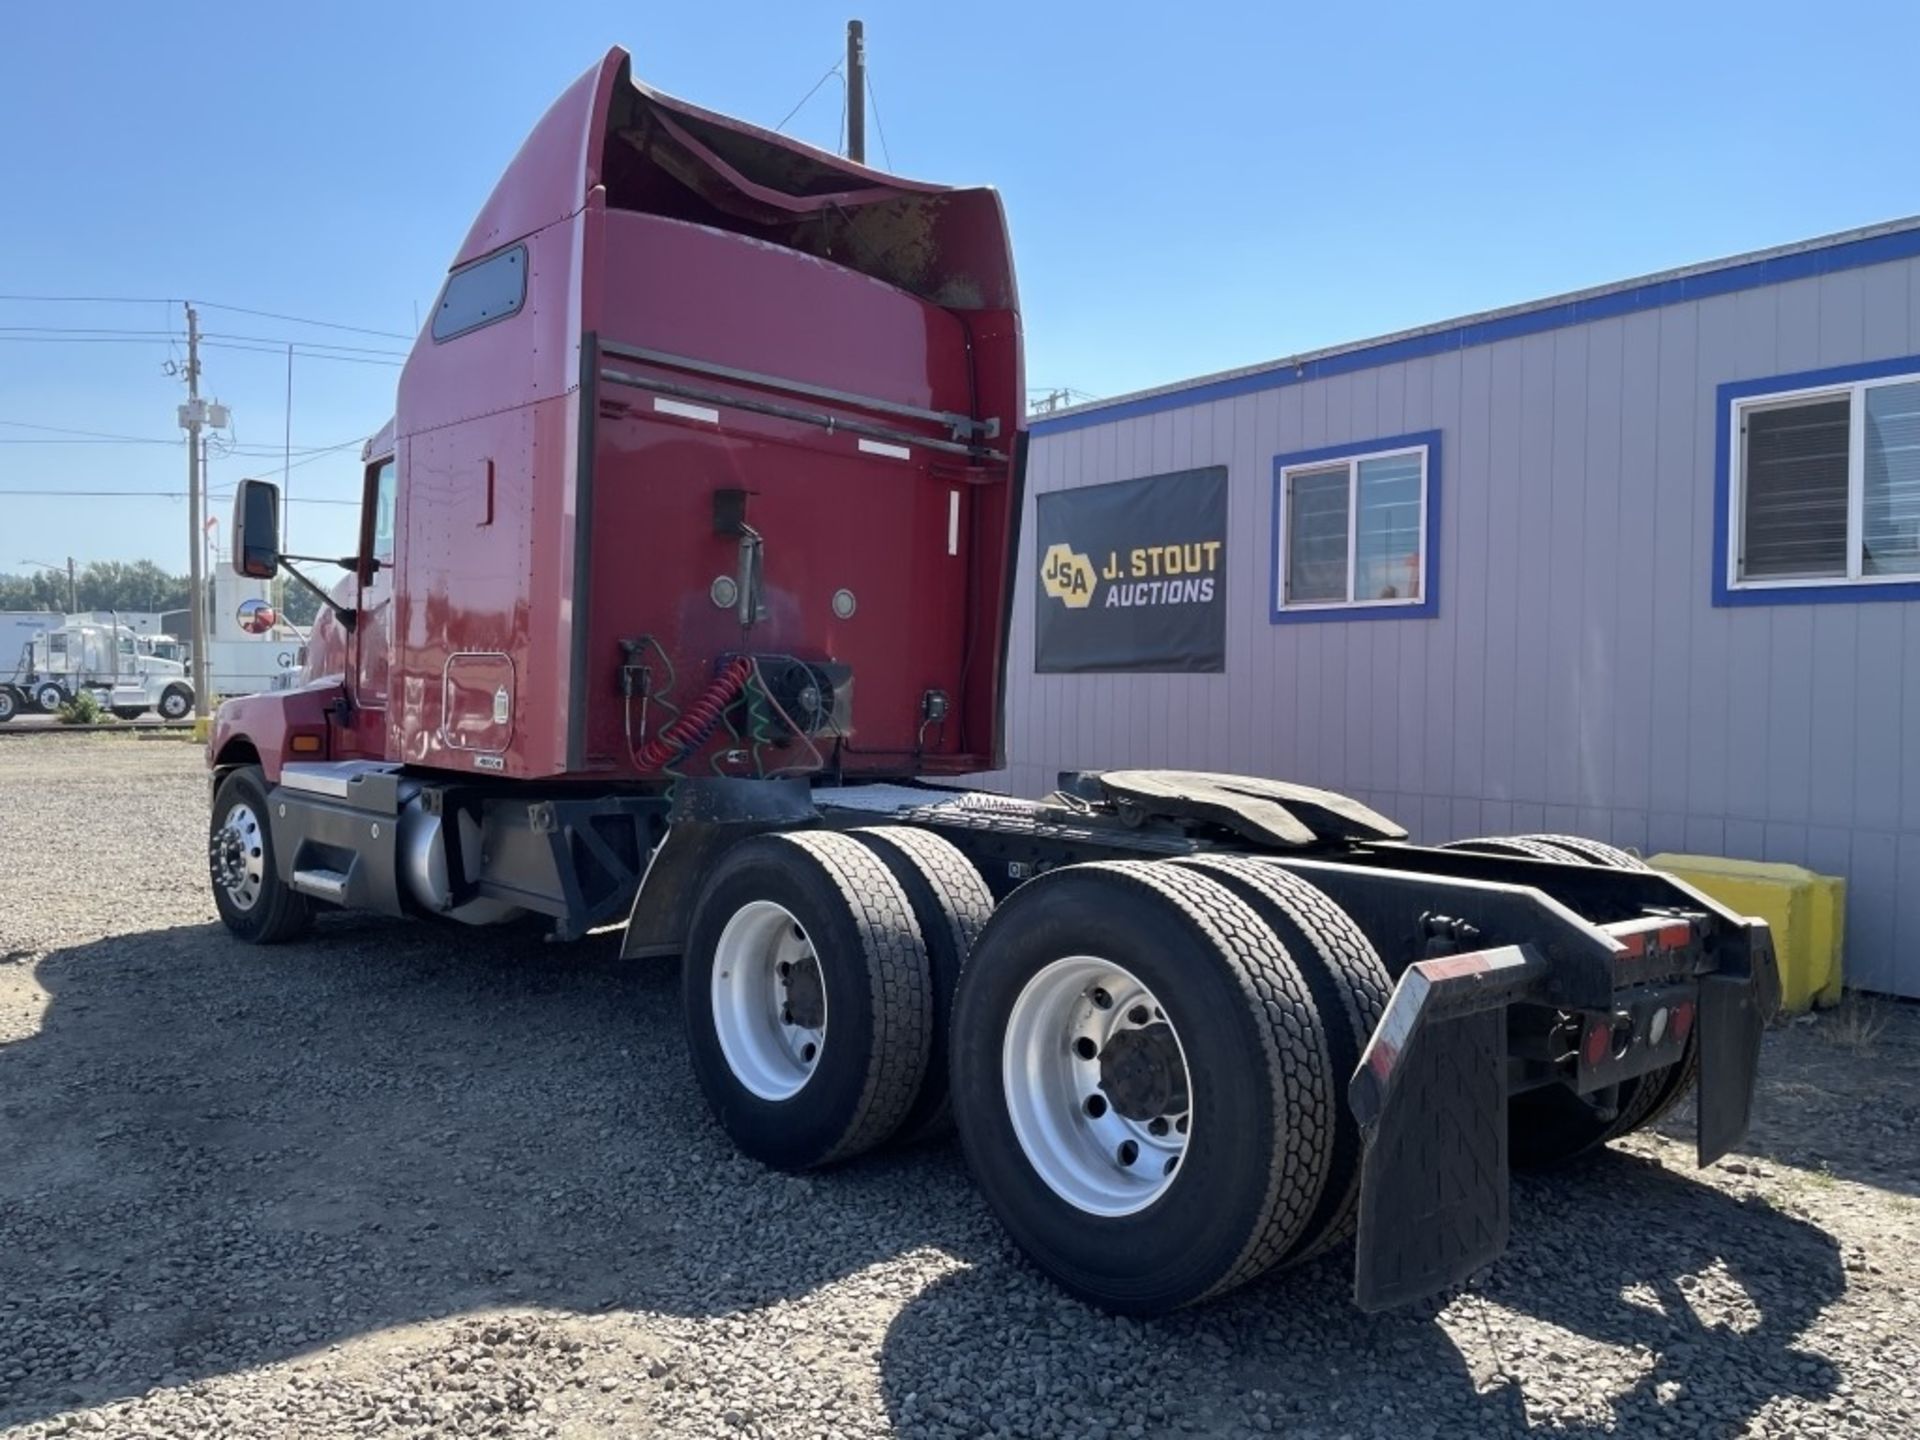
x,y
481,293
383,503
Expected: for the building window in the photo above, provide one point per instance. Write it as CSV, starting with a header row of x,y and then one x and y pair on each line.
x,y
1352,526
481,293
1820,486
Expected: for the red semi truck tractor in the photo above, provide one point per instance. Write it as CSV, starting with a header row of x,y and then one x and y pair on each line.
x,y
684,578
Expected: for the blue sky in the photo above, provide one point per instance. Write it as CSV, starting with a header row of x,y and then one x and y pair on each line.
x,y
1191,188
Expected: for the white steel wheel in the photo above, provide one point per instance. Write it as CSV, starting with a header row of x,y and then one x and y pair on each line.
x,y
1097,1086
49,697
175,703
769,1002
237,857
789,929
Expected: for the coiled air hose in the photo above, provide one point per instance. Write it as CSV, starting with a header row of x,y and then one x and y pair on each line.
x,y
700,718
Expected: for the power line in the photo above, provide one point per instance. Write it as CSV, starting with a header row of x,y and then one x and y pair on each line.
x,y
206,304
308,345
157,495
83,330
108,436
878,123
91,299
279,351
301,320
89,434
832,70
321,349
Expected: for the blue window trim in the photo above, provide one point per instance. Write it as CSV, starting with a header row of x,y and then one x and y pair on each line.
x,y
1654,294
1840,592
1429,604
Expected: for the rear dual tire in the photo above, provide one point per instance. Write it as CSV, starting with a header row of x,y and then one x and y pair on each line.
x,y
816,983
1243,1076
1552,1125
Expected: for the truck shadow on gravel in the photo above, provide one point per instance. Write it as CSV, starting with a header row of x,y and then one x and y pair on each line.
x,y
214,1157
1591,1325
218,1157
1594,1323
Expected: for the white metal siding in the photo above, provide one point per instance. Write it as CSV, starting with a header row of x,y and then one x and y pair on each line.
x,y
1577,676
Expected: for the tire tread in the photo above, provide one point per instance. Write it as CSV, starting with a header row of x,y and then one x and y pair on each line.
x,y
1293,1046
1350,988
897,983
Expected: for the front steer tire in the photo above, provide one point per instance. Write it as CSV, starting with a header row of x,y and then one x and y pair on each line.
x,y
276,913
1261,1097
874,991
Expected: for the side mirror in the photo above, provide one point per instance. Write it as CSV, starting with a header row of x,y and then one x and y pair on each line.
x,y
256,529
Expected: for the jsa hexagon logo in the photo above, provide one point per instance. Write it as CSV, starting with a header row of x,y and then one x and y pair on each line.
x,y
1067,576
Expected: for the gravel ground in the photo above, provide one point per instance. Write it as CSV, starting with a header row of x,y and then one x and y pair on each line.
x,y
414,1181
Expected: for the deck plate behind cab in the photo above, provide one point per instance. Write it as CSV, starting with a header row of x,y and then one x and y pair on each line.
x,y
1267,812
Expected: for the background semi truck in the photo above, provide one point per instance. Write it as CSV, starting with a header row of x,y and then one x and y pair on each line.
x,y
681,602
119,667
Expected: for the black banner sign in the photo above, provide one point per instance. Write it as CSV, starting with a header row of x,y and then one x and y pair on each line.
x,y
1133,576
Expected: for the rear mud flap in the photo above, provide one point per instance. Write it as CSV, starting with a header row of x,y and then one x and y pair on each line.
x,y
1433,1190
1734,1011
1431,1098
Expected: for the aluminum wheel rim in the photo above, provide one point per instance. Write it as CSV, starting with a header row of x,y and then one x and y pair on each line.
x,y
1059,1047
239,857
764,966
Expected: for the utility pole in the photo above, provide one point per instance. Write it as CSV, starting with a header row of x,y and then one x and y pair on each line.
x,y
856,92
192,416
73,605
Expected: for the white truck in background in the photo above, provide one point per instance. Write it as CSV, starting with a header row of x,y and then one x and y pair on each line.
x,y
120,668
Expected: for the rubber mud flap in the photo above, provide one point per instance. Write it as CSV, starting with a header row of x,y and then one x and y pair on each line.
x,y
1731,1024
1433,1185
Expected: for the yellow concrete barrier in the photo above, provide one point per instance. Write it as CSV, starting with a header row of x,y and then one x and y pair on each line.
x,y
1808,913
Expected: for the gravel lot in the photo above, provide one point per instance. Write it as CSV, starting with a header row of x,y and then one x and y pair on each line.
x,y
408,1180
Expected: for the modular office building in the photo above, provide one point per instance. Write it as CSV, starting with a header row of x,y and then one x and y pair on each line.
x,y
1640,563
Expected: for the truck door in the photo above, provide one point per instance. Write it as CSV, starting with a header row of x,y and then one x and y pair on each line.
x,y
372,636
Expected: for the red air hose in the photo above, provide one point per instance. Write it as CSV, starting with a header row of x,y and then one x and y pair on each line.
x,y
698,720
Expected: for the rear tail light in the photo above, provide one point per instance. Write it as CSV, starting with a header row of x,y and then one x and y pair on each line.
x,y
1598,1043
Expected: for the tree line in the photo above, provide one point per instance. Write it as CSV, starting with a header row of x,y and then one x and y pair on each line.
x,y
127,585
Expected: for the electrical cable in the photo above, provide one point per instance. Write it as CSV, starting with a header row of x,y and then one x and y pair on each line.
x,y
819,760
878,123
701,718
203,304
833,69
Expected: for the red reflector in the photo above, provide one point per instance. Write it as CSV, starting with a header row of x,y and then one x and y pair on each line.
x,y
1599,1041
1682,1021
